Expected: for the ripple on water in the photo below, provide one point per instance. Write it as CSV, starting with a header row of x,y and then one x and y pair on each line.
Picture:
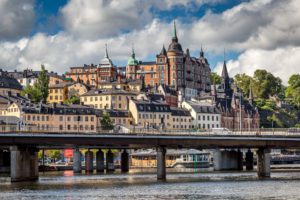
x,y
209,186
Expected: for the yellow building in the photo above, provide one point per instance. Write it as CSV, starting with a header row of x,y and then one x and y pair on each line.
x,y
158,114
115,99
54,117
58,92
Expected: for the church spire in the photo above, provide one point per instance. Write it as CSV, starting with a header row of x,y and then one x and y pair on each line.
x,y
201,52
174,31
250,99
225,76
133,54
163,51
106,54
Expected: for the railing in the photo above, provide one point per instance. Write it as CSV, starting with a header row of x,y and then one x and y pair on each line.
x,y
142,131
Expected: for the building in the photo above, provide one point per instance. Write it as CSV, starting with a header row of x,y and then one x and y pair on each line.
x,y
119,117
54,117
175,68
153,113
58,92
237,112
9,86
94,75
170,94
205,115
109,99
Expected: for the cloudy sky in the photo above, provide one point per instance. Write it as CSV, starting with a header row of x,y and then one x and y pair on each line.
x,y
64,33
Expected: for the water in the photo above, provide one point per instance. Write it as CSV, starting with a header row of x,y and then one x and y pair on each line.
x,y
135,185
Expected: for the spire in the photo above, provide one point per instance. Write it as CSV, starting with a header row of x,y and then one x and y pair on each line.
x,y
133,54
174,31
250,99
224,70
201,52
106,54
163,51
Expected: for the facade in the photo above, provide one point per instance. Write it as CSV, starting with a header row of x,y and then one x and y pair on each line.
x,y
118,117
205,115
157,114
110,99
77,89
54,117
58,92
9,86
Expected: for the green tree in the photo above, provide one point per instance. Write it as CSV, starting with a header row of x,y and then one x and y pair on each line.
x,y
215,78
33,93
42,83
244,82
106,122
292,92
266,85
54,154
72,100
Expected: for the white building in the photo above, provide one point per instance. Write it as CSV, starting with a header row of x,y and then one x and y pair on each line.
x,y
205,115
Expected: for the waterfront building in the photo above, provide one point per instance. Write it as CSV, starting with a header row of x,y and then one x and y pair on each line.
x,y
205,115
54,117
156,113
114,99
175,158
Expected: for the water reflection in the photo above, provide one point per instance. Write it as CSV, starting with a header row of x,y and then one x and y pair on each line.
x,y
136,185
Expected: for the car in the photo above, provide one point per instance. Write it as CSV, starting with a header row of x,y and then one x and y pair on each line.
x,y
221,131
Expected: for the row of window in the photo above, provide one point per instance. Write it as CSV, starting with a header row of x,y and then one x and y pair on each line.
x,y
76,128
149,116
113,98
55,97
207,118
181,119
61,118
208,126
107,106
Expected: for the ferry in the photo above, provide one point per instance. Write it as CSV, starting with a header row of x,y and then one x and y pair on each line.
x,y
175,158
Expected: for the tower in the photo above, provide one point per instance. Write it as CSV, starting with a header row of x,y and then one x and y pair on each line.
x,y
132,66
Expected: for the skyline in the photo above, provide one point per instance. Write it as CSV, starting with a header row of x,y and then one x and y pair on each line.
x,y
256,34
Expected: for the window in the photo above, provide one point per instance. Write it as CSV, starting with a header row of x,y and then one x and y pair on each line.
x,y
60,127
28,117
47,118
203,117
38,118
60,118
86,118
69,127
43,118
69,118
92,119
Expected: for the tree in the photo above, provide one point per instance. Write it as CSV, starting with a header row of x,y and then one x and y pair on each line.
x,y
215,78
54,154
33,93
244,82
266,85
39,91
42,83
106,122
72,100
292,92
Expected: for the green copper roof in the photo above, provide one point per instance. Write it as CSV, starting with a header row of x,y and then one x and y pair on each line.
x,y
174,33
132,60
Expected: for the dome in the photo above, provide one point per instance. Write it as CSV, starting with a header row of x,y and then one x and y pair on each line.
x,y
106,61
175,46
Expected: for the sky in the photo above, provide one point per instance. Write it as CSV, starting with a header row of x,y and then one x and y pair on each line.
x,y
255,34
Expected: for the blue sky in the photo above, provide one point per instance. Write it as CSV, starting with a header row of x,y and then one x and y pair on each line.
x,y
257,34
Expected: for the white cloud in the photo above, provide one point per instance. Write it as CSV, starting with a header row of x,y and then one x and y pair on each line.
x,y
282,62
17,18
266,32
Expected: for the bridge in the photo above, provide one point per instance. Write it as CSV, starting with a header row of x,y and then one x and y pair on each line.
x,y
24,145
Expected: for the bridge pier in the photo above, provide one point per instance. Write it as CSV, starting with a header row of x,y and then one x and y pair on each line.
x,y
4,161
263,163
100,161
161,163
124,161
76,161
228,160
110,161
240,160
249,160
24,164
89,156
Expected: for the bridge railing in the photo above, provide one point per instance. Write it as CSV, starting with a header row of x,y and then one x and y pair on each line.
x,y
143,131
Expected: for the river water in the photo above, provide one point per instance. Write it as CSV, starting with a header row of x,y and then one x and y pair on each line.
x,y
203,184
